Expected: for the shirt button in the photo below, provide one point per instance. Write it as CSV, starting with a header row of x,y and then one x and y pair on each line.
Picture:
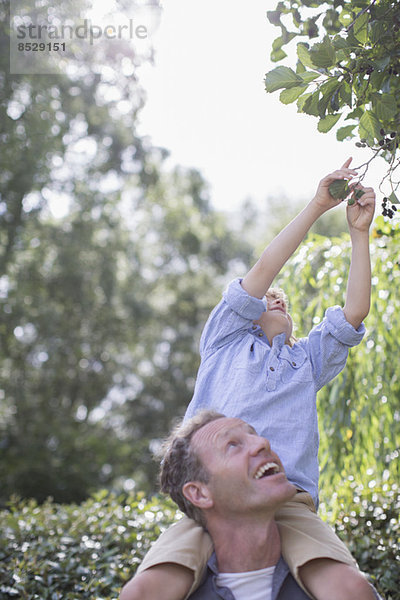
x,y
272,369
254,327
260,334
293,363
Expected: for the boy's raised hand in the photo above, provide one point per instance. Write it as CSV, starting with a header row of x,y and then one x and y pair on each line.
x,y
360,214
323,199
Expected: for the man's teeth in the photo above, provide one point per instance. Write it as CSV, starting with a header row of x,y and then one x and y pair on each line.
x,y
273,467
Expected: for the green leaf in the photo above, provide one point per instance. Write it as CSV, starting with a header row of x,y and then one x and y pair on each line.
x,y
357,193
340,43
302,100
339,189
393,198
377,78
377,31
344,133
274,17
290,95
323,54
345,93
304,56
385,106
281,77
308,76
369,127
355,114
382,63
327,90
327,123
345,18
360,27
310,106
277,55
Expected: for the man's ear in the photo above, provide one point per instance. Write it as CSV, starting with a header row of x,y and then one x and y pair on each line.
x,y
198,494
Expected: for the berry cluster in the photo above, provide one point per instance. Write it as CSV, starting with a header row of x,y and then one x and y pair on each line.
x,y
388,141
388,212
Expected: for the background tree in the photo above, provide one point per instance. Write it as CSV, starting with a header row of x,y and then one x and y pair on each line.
x,y
100,308
348,67
65,138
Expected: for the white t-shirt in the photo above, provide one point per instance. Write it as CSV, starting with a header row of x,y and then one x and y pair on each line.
x,y
256,585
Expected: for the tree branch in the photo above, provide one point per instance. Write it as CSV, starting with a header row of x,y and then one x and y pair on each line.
x,y
364,10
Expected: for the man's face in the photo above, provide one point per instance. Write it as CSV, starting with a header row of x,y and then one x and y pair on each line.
x,y
245,474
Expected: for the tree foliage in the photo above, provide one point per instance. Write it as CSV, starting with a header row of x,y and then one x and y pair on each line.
x,y
347,69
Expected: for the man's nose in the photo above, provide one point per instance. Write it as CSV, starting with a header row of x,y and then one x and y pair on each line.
x,y
259,444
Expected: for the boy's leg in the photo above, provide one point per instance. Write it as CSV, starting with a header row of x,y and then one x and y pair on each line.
x,y
180,554
329,580
167,581
317,558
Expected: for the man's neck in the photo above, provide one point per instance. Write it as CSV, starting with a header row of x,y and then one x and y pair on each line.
x,y
241,547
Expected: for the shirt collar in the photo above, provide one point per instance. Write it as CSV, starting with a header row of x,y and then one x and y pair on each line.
x,y
280,573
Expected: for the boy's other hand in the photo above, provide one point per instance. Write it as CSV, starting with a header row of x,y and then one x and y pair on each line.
x,y
360,214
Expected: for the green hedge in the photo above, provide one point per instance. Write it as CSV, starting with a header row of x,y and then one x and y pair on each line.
x,y
70,552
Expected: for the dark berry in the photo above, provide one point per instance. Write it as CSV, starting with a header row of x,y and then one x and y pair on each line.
x,y
393,134
385,212
390,214
394,208
382,132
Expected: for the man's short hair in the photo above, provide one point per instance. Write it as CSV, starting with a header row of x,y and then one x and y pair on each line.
x,y
181,464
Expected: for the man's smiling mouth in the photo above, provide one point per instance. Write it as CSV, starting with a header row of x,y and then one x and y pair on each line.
x,y
266,470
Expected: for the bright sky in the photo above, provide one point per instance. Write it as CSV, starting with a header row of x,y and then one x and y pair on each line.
x,y
207,105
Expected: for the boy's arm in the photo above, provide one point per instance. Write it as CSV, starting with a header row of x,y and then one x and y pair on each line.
x,y
260,277
167,581
358,294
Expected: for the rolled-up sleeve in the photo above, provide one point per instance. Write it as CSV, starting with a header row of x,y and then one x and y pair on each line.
x,y
230,317
241,303
341,329
328,345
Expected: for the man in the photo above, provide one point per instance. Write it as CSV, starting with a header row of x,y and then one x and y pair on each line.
x,y
225,476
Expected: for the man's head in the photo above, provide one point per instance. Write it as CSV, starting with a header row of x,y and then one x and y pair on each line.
x,y
215,465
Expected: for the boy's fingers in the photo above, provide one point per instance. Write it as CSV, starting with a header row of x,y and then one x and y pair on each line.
x,y
341,174
367,200
346,164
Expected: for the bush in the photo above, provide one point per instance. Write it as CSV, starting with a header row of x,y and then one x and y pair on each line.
x,y
66,552
371,530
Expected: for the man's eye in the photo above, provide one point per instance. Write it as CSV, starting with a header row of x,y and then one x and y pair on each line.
x,y
233,443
